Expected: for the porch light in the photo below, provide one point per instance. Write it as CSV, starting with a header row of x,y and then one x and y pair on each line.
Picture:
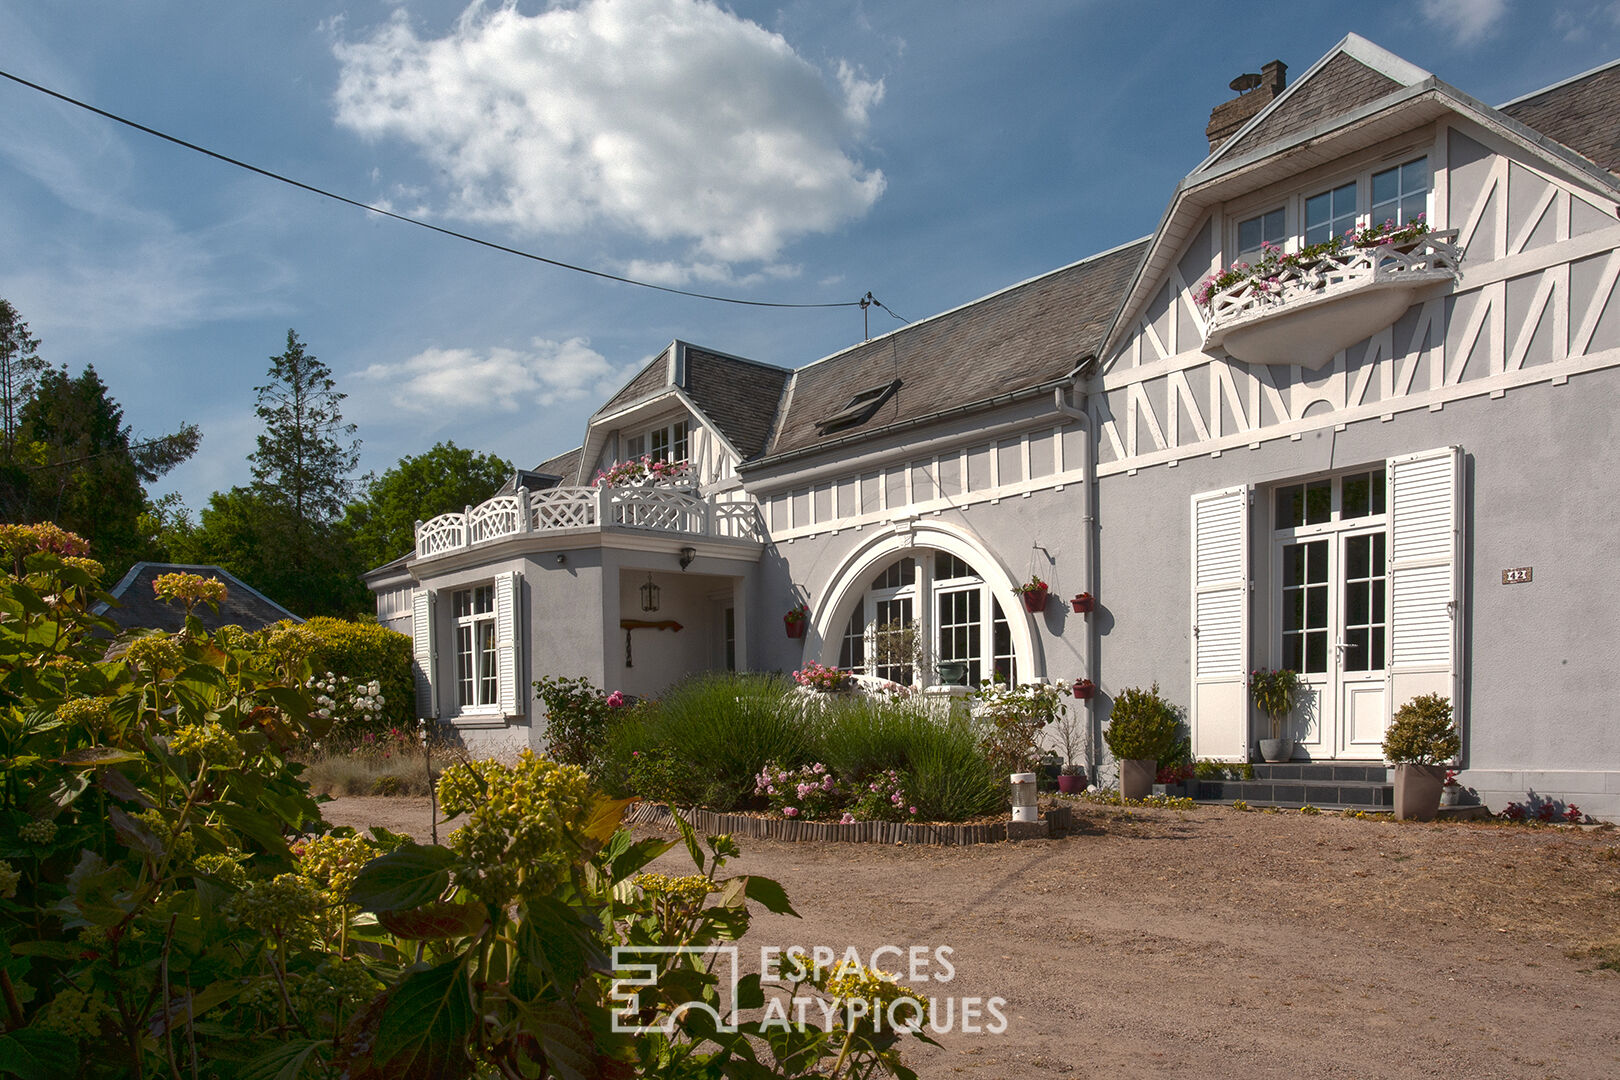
x,y
687,555
1023,797
649,595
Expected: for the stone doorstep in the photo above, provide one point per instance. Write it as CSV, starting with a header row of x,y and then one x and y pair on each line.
x,y
1325,795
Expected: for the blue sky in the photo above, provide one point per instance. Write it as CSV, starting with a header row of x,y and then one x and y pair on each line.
x,y
804,152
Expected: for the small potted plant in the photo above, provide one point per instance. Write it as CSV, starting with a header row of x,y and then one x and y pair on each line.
x,y
1084,689
1142,728
1083,602
1275,693
1068,730
1034,592
796,620
1419,741
1451,790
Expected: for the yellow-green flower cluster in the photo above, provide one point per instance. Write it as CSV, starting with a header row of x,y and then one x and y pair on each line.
x,y
37,832
690,889
154,654
226,866
331,863
292,645
208,742
181,845
86,714
878,989
526,825
189,589
89,566
277,906
73,1013
9,880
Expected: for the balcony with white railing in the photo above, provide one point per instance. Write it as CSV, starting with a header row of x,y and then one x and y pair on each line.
x,y
1306,311
674,511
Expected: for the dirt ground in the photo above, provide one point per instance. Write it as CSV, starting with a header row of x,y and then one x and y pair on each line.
x,y
1214,944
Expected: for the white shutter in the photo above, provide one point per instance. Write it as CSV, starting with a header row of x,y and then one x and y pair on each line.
x,y
508,661
1425,591
1220,624
423,653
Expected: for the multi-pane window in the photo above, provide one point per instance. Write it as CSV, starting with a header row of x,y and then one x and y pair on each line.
x,y
1305,607
893,639
852,649
958,630
1400,194
1267,228
477,675
670,443
731,639
1304,504
1330,214
1365,609
1363,495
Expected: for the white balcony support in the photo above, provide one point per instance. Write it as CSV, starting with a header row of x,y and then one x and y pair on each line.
x,y
1306,314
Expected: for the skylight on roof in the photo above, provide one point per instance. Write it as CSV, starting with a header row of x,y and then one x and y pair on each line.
x,y
861,408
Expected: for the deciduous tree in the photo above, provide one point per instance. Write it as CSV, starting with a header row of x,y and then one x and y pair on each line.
x,y
381,523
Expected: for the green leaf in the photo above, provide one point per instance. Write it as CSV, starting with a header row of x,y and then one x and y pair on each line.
x,y
750,993
561,943
38,1055
134,834
434,921
260,828
622,864
605,816
284,1062
91,756
425,1027
403,879
565,1041
689,837
770,894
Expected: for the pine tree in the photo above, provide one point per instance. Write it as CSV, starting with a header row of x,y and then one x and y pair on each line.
x,y
20,368
306,452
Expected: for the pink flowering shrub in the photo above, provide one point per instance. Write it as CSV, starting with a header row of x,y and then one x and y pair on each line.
x,y
809,793
817,677
645,469
882,798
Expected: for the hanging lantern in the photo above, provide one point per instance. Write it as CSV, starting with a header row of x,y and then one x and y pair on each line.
x,y
649,595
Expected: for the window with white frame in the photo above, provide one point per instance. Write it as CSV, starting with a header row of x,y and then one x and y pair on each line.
x,y
668,442
930,609
1398,194
477,670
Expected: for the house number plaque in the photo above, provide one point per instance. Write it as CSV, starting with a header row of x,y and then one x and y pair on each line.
x,y
1519,575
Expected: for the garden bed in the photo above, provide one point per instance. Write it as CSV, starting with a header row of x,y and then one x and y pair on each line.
x,y
755,826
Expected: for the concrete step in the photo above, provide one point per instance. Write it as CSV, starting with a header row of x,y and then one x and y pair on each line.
x,y
1326,793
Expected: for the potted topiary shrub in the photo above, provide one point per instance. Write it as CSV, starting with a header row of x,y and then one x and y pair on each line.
x,y
1142,728
1274,694
1419,741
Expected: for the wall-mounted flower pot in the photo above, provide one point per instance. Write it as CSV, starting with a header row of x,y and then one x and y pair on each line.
x,y
795,627
1084,689
1083,603
1034,600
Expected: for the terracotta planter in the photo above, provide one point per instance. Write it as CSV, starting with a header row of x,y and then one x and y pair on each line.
x,y
1417,791
795,627
1136,776
1034,600
1071,785
1084,689
1083,603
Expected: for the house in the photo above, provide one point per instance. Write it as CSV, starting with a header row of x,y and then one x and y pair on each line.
x,y
1390,467
136,606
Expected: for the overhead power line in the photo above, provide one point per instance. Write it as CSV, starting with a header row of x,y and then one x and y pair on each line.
x,y
405,218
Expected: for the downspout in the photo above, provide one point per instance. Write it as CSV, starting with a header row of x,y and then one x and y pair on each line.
x,y
1088,552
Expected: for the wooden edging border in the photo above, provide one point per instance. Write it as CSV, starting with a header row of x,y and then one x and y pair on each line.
x,y
861,832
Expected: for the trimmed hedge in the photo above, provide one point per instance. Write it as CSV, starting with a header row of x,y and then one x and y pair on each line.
x,y
368,651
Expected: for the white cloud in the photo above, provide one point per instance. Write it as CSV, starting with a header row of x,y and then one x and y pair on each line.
x,y
674,120
466,381
1469,20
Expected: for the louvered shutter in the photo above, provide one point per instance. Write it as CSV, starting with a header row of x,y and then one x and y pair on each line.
x,y
1220,624
508,661
1425,590
423,653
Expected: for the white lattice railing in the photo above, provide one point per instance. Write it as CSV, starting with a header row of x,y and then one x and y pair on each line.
x,y
659,509
1433,256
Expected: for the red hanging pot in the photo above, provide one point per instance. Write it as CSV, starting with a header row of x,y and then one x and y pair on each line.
x,y
1034,600
1083,603
1084,689
795,627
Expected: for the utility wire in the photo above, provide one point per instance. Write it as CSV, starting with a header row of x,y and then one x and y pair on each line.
x,y
410,220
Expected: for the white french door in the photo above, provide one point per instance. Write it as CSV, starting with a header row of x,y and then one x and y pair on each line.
x,y
1331,612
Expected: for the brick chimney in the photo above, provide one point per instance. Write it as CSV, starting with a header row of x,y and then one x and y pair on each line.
x,y
1255,92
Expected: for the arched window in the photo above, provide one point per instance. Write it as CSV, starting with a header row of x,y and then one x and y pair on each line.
x,y
926,615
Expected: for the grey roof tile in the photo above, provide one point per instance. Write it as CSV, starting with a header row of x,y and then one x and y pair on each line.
x,y
1032,333
739,396
1340,86
139,608
1583,114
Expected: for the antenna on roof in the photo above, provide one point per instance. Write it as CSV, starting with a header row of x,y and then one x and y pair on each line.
x,y
866,328
1245,82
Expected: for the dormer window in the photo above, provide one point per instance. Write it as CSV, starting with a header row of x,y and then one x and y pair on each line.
x,y
670,442
1400,194
1255,233
1330,214
861,408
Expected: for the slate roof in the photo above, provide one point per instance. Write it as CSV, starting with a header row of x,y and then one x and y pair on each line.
x,y
139,608
1343,84
565,465
1030,334
649,380
739,395
1583,113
